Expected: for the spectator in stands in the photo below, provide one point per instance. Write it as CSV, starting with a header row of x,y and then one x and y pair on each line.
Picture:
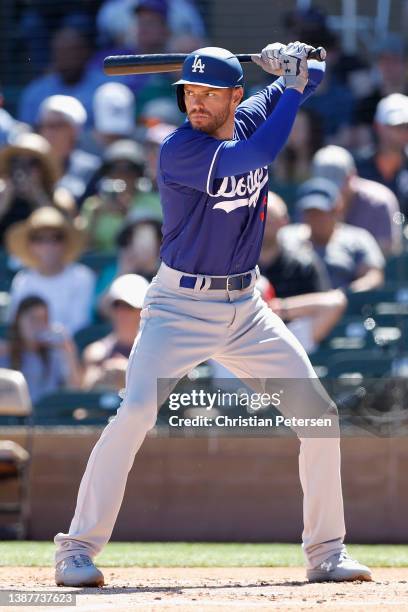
x,y
60,121
28,175
160,110
160,86
289,273
388,76
115,25
146,30
138,243
48,245
387,161
114,118
105,361
10,128
44,353
333,102
310,317
69,75
366,204
153,139
352,258
40,18
292,166
120,186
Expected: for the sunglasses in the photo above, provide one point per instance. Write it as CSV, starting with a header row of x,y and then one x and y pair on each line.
x,y
121,304
21,161
50,238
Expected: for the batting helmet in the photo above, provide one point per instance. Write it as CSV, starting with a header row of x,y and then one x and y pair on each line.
x,y
210,66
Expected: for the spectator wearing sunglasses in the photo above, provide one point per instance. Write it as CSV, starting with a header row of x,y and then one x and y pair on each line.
x,y
28,180
121,186
105,361
48,245
61,120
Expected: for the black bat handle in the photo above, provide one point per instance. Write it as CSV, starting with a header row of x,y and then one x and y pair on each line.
x,y
318,54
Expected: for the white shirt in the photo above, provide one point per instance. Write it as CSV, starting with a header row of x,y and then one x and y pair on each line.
x,y
69,294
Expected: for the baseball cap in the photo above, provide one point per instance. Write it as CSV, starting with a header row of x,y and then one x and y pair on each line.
x,y
392,110
317,193
114,109
333,163
72,109
213,67
157,6
125,149
129,288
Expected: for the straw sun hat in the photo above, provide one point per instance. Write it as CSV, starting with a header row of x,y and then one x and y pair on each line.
x,y
32,145
46,217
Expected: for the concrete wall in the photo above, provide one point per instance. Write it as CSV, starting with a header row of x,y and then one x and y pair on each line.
x,y
221,488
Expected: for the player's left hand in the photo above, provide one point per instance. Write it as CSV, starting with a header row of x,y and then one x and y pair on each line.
x,y
269,59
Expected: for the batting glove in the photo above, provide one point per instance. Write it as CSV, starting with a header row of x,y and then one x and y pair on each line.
x,y
270,59
293,59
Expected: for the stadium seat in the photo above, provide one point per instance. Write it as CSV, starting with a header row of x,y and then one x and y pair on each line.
x,y
71,407
359,332
396,269
15,409
390,298
366,363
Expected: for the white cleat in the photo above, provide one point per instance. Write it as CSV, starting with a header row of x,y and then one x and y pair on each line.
x,y
339,568
78,571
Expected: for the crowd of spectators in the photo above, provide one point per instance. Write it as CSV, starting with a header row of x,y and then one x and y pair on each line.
x,y
78,168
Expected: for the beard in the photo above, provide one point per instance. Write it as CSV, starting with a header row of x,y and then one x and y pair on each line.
x,y
210,123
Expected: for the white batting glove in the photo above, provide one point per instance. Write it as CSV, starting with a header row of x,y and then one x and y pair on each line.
x,y
293,59
269,59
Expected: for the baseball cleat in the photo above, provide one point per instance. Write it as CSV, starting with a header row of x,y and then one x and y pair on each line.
x,y
78,571
339,568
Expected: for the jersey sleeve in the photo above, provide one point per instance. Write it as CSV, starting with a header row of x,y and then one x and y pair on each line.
x,y
256,109
188,158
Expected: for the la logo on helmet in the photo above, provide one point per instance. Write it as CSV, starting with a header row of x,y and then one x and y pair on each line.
x,y
198,64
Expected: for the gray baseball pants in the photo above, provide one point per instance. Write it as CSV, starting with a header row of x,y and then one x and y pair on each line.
x,y
181,328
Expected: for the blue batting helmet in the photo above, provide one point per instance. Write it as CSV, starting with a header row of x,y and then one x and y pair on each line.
x,y
210,66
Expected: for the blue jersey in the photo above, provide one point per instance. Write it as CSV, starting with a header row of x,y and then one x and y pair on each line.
x,y
214,192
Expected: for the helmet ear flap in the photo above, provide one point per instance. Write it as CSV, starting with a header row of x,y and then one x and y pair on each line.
x,y
180,98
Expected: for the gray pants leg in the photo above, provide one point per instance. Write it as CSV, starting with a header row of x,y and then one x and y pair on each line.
x,y
181,328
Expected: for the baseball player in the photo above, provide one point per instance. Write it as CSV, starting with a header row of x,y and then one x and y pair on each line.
x,y
213,182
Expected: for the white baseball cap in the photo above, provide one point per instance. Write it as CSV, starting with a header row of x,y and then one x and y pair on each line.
x,y
392,110
114,109
333,163
71,108
129,288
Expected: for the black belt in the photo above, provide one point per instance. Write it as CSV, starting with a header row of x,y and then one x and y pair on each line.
x,y
226,283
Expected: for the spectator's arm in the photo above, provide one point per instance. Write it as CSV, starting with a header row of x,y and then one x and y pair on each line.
x,y
370,268
72,366
324,308
372,278
6,196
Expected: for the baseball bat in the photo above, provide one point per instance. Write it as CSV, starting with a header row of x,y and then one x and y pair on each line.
x,y
169,62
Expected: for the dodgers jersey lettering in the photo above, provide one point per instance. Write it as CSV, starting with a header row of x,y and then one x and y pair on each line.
x,y
215,225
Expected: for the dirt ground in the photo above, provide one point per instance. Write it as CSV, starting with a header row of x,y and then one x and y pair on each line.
x,y
216,589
